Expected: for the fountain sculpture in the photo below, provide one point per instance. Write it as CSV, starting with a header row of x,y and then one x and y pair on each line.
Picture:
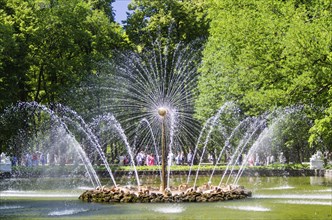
x,y
162,112
183,193
316,161
158,89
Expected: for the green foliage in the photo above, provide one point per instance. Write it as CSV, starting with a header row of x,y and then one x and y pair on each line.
x,y
13,65
52,45
321,132
278,166
68,169
267,54
172,19
173,168
261,54
290,136
48,47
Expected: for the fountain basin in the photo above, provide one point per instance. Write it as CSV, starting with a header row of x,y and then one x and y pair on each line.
x,y
147,195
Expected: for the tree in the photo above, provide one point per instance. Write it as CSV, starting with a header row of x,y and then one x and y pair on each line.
x,y
264,54
55,44
174,20
256,54
13,65
291,136
321,132
49,47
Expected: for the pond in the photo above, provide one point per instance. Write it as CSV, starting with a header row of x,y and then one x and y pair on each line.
x,y
273,198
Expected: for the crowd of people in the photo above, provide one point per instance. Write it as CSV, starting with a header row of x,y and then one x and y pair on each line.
x,y
30,159
256,160
149,159
142,159
33,159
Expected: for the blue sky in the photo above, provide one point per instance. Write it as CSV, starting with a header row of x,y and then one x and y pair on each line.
x,y
120,7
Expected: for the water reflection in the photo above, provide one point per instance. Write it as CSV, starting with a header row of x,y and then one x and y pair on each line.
x,y
318,180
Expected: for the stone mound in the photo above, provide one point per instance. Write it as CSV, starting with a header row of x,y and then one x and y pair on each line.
x,y
148,195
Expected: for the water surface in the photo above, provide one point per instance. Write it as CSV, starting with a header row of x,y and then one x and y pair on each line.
x,y
273,198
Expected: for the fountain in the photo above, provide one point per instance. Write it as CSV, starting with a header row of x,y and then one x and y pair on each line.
x,y
152,100
257,131
166,193
158,87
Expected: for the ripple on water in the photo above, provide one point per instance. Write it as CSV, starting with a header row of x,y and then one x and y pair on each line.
x,y
66,212
35,194
324,190
280,187
85,188
307,202
169,209
292,196
11,207
249,208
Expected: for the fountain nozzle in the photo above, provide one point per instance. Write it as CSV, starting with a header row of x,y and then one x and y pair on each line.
x,y
162,111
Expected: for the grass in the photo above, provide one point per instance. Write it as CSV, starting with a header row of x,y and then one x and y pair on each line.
x,y
67,169
208,167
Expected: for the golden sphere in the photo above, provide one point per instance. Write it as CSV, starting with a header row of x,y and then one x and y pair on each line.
x,y
162,111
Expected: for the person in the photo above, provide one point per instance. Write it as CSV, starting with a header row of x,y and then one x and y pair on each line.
x,y
14,161
139,158
28,160
2,157
272,159
178,159
257,161
42,159
210,158
170,158
35,159
267,160
189,158
251,161
182,158
48,158
240,159
126,160
282,158
121,160
150,160
326,156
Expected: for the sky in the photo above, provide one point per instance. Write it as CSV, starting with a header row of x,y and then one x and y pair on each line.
x,y
120,7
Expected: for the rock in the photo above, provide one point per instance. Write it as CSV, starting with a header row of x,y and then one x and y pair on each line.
x,y
183,186
144,195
